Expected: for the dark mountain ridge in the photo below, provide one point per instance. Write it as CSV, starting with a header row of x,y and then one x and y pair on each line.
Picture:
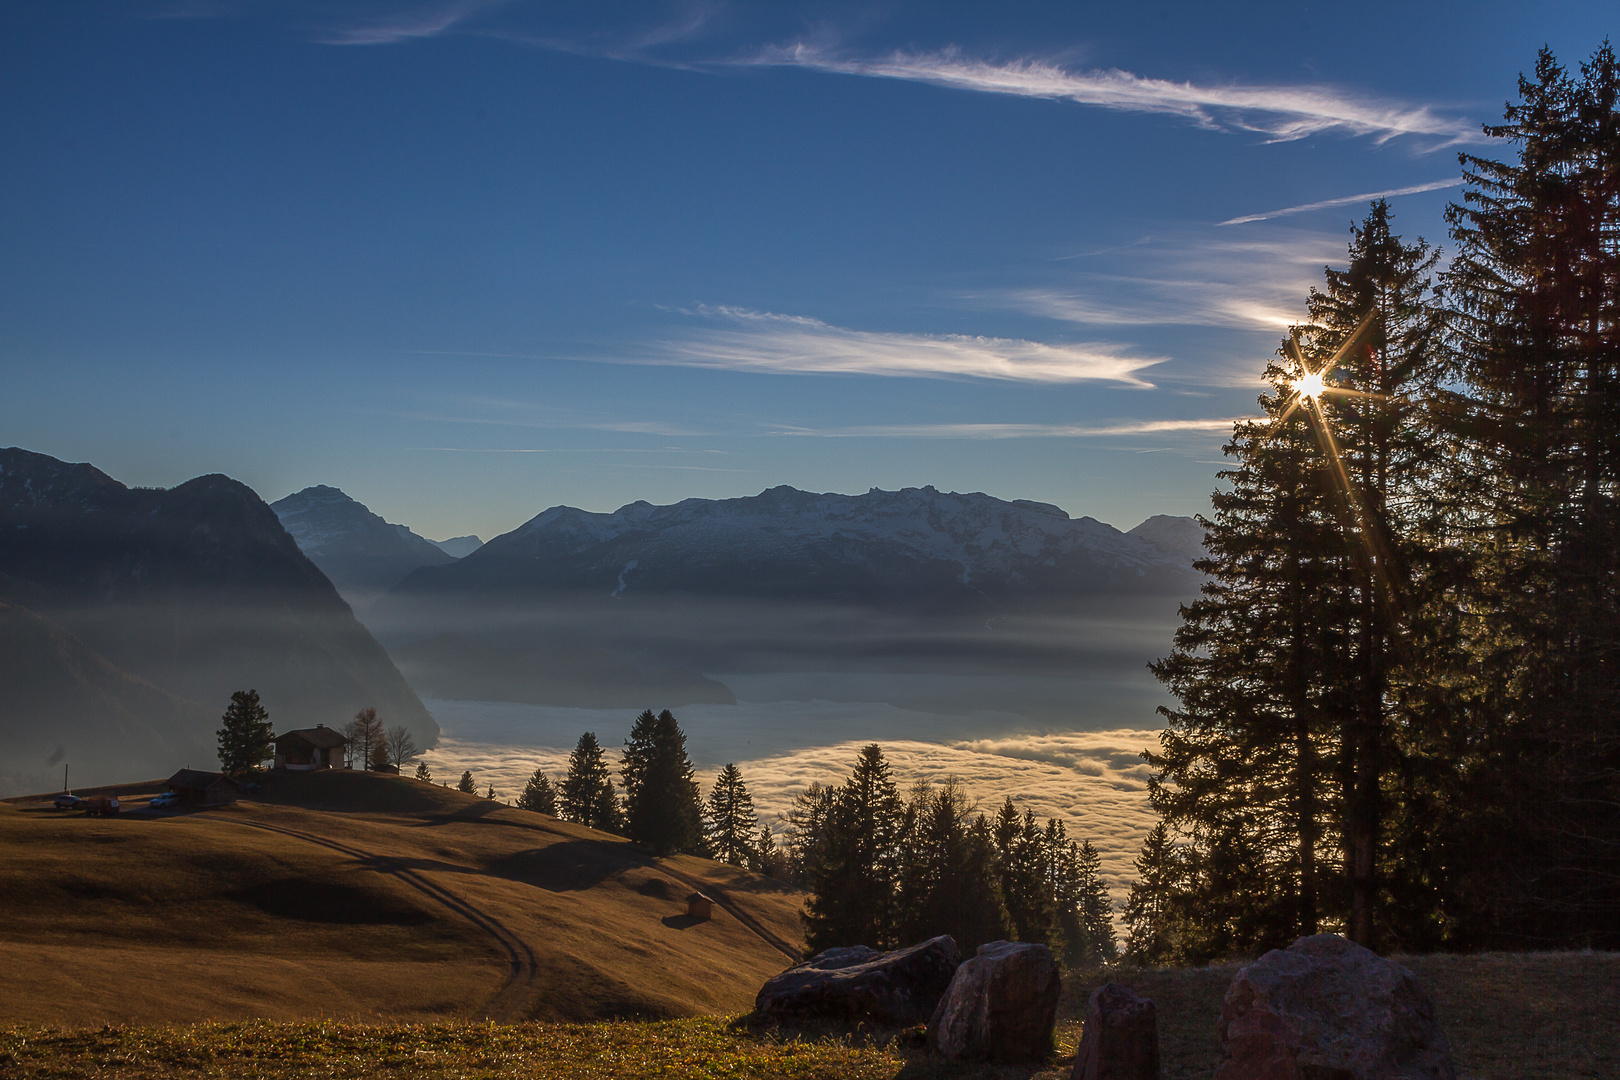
x,y
196,591
913,546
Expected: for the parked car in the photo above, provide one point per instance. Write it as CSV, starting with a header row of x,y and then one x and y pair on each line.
x,y
65,801
100,805
164,801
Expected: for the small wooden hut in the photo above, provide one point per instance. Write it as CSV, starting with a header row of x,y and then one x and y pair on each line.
x,y
699,906
198,788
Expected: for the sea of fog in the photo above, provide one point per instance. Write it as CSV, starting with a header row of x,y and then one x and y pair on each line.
x,y
1064,747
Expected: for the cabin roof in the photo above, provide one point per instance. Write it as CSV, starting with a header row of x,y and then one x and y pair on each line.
x,y
324,737
197,780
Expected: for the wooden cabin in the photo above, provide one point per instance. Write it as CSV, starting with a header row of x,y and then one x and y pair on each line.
x,y
319,747
198,788
699,906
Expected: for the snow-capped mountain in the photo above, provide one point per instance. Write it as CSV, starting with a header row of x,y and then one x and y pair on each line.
x,y
916,544
364,555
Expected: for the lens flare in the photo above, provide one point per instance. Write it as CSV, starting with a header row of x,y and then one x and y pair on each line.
x,y
1310,385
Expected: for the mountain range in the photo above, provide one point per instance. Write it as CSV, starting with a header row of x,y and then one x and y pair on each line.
x,y
141,610
916,546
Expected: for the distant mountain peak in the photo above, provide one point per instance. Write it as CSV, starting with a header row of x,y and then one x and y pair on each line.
x,y
363,554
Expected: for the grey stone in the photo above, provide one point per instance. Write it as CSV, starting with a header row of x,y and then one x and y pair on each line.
x,y
1001,1005
1327,1009
858,983
1121,1037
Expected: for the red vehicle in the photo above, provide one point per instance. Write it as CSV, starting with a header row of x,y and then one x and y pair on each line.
x,y
100,805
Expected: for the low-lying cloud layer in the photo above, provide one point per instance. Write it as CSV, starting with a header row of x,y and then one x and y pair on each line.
x,y
1095,782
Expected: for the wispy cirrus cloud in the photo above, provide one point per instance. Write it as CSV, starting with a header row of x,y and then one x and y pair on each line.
x,y
768,342
1281,113
407,24
1256,283
1014,431
1346,200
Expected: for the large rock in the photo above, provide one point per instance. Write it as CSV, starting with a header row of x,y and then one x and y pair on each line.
x,y
1121,1037
1001,1005
857,983
1327,1009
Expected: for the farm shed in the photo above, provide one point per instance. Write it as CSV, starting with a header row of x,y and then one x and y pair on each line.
x,y
198,788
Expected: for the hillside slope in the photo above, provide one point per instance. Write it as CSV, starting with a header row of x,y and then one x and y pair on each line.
x,y
197,590
357,895
47,674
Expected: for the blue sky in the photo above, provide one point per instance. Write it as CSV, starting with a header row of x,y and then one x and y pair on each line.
x,y
468,260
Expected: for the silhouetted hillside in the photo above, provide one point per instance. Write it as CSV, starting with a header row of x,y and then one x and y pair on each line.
x,y
197,590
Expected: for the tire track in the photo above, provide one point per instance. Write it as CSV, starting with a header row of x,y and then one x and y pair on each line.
x,y
523,968
650,862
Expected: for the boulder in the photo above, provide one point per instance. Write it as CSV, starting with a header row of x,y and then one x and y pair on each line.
x,y
900,988
1121,1037
1001,1005
1327,1009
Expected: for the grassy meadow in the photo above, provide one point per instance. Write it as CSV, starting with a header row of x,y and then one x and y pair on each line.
x,y
355,925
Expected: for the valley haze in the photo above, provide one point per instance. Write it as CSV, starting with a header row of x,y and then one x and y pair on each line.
x,y
1003,642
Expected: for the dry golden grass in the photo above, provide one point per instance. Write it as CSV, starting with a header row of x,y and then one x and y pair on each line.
x,y
381,898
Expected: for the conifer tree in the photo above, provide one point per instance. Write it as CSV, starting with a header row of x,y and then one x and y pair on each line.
x,y
947,880
466,783
586,793
1537,320
539,795
662,804
1021,875
1095,908
1150,919
730,824
423,773
1260,670
852,865
246,736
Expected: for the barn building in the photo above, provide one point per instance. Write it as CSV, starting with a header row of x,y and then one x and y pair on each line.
x,y
198,788
319,747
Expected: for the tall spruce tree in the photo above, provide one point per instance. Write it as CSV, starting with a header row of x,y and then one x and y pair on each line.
x,y
1095,908
246,737
586,793
852,866
1249,761
1536,291
1294,670
1151,931
539,794
662,805
1375,338
730,825
947,880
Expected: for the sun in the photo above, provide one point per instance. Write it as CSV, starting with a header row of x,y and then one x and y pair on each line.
x,y
1310,385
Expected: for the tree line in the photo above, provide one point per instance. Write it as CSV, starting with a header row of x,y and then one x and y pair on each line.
x,y
1397,691
882,870
247,739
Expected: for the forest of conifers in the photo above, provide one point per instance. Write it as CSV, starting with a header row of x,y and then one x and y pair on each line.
x,y
1397,692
